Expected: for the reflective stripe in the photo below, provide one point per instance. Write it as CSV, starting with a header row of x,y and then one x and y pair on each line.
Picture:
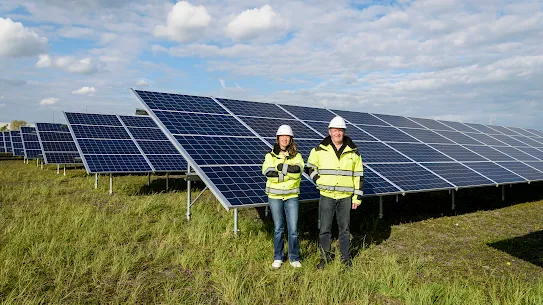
x,y
282,192
285,169
335,172
269,169
336,188
313,174
358,174
281,177
358,192
310,165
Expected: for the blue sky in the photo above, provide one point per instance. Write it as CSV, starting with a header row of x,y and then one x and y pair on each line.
x,y
470,61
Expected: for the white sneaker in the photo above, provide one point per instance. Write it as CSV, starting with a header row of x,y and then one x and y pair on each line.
x,y
277,264
296,264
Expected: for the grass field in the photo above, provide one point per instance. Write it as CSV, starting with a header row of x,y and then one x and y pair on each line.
x,y
62,241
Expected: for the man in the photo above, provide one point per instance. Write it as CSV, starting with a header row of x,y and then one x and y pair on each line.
x,y
336,167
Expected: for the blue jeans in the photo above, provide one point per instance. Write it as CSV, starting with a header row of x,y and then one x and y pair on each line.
x,y
290,208
327,208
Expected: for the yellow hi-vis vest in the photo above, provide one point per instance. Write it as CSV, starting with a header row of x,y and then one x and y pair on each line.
x,y
282,184
335,177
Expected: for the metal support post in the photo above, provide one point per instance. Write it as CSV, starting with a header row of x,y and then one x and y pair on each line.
x,y
266,211
95,181
58,169
149,179
380,207
110,184
64,169
453,193
189,203
235,222
37,162
503,192
167,180
397,198
41,164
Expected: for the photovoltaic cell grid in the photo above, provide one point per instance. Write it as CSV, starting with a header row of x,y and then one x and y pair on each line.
x,y
454,154
16,143
57,144
7,140
2,143
122,144
31,144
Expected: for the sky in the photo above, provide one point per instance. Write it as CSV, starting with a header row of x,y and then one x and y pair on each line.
x,y
478,61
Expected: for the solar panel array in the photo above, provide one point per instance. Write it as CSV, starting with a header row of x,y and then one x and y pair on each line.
x,y
31,143
16,143
57,144
226,140
122,144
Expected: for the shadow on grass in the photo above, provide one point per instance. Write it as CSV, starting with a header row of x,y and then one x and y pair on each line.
x,y
158,185
367,228
528,247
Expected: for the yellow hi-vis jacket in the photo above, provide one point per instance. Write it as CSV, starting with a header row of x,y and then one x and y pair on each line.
x,y
283,174
337,177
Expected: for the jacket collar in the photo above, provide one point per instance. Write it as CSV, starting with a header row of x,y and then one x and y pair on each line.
x,y
277,151
346,140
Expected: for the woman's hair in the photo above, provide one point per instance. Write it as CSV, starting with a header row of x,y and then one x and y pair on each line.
x,y
291,148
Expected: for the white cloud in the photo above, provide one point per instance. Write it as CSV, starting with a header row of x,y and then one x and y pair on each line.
x,y
142,83
256,22
185,22
85,90
223,84
49,101
1,97
3,105
77,32
18,41
70,64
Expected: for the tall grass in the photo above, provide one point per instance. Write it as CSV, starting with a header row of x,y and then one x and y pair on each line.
x,y
61,241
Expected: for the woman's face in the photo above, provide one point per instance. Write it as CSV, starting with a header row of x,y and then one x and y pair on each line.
x,y
284,141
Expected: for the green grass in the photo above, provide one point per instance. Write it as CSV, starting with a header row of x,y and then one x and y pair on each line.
x,y
62,241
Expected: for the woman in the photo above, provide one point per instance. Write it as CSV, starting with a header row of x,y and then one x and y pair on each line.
x,y
283,167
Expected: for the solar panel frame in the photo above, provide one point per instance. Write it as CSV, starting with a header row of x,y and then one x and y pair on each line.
x,y
426,136
7,141
458,126
504,130
431,124
16,143
358,118
398,121
247,108
521,132
2,143
303,113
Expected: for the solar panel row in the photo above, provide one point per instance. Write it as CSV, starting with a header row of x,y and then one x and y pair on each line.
x,y
16,143
225,141
31,144
122,144
2,143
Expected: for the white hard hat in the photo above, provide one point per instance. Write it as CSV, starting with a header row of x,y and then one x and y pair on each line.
x,y
337,122
284,130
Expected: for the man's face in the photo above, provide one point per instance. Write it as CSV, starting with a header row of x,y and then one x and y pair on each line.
x,y
337,135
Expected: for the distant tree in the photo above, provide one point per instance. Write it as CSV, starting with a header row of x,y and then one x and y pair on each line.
x,y
16,124
4,128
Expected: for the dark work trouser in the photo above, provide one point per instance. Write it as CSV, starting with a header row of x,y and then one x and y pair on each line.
x,y
327,208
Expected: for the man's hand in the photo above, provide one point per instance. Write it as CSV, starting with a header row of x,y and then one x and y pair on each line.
x,y
354,206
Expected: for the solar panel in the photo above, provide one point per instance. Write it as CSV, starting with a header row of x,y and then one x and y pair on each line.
x,y
411,177
457,152
309,114
57,144
302,145
495,172
254,109
31,144
484,129
178,102
118,148
431,124
536,165
16,143
540,141
375,184
425,135
527,141
486,139
489,153
2,143
458,137
7,140
458,174
360,118
202,124
504,130
523,170
458,126
387,134
377,152
535,132
398,121
516,154
420,152
521,131
508,140
532,151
